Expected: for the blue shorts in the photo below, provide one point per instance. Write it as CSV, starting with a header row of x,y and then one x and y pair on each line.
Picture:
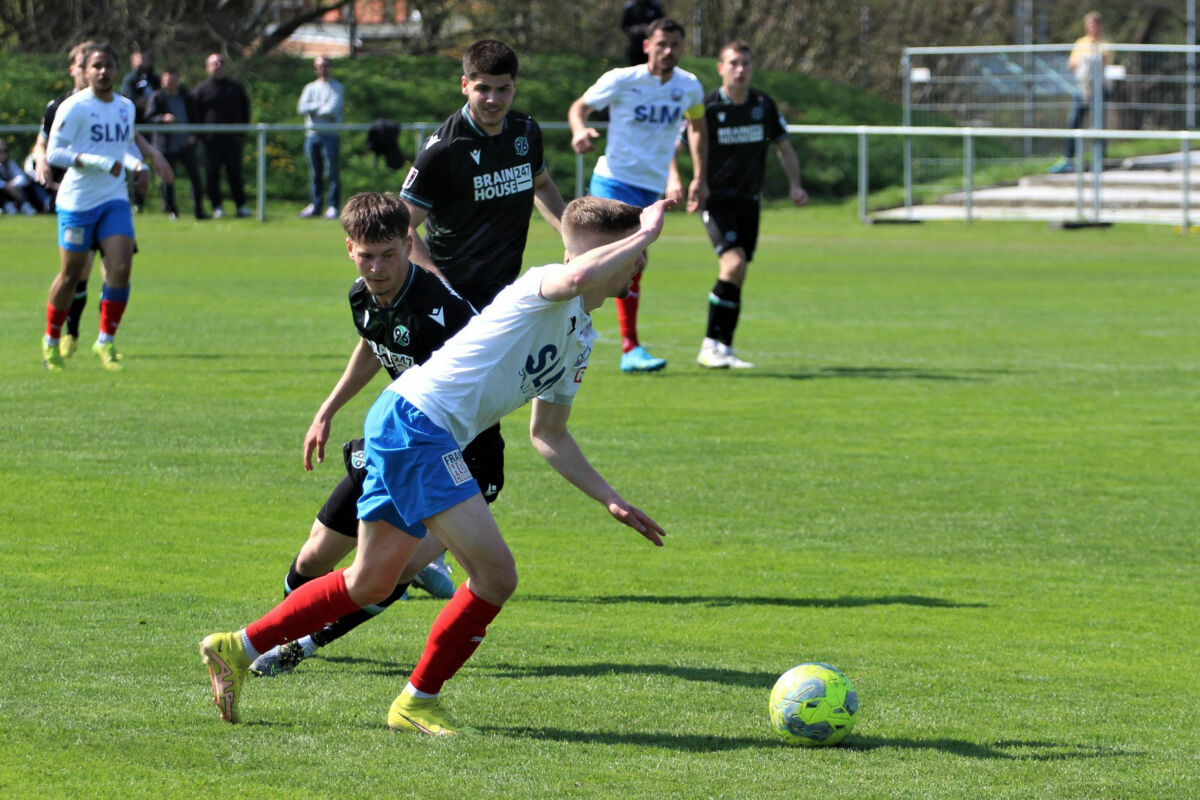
x,y
615,190
414,468
79,230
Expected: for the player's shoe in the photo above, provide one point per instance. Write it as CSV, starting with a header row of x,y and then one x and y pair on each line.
x,y
68,344
279,660
110,359
732,360
436,579
331,213
639,360
710,356
218,213
308,211
227,662
410,715
51,357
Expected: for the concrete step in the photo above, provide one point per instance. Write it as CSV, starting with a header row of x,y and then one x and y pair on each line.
x,y
1134,179
938,212
1053,196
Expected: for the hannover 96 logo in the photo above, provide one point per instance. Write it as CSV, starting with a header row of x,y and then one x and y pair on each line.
x,y
521,143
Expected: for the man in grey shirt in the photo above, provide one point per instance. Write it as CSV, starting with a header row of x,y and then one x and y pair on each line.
x,y
321,103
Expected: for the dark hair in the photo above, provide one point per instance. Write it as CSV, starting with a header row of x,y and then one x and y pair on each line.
x,y
489,57
737,45
374,217
81,49
105,48
591,214
666,25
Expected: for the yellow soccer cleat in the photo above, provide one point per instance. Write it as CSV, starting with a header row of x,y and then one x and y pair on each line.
x,y
110,359
408,714
228,664
51,357
67,345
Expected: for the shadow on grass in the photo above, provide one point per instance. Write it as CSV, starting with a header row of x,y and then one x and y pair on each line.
x,y
719,676
878,374
1003,751
718,601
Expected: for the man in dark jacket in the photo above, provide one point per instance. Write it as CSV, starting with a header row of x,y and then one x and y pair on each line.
x,y
173,105
223,100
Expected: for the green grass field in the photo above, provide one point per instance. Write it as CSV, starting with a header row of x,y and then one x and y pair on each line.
x,y
964,471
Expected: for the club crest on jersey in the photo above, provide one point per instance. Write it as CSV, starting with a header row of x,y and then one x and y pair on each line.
x,y
521,144
358,459
400,334
720,116
124,115
756,113
676,95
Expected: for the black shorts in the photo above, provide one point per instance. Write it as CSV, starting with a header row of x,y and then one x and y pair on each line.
x,y
732,223
484,456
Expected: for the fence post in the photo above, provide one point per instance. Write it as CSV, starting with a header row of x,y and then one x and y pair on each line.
x,y
1079,176
1187,185
968,170
863,183
578,175
261,172
905,68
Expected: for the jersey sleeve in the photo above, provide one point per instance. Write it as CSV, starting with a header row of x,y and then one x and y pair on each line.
x,y
425,177
604,90
62,134
775,125
48,116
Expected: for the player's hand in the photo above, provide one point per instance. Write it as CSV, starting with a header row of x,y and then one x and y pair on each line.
x,y
315,439
582,142
116,168
697,195
168,118
654,215
638,520
41,171
674,191
799,196
141,181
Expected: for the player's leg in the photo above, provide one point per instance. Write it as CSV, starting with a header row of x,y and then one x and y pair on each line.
x,y
76,230
471,534
70,339
114,231
733,230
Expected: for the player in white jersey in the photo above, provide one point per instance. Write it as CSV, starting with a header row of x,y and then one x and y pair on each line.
x,y
646,105
531,343
92,139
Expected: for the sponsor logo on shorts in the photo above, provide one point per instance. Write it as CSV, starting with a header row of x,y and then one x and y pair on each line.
x,y
73,235
460,473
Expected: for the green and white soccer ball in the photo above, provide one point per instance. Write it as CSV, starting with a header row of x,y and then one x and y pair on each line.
x,y
813,705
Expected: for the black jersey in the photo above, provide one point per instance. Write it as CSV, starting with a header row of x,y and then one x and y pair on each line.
x,y
48,122
425,313
478,190
738,136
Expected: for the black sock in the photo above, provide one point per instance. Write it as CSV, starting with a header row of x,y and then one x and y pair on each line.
x,y
77,306
724,303
352,620
295,580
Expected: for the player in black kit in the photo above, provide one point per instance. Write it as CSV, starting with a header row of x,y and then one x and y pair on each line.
x,y
742,122
402,313
476,180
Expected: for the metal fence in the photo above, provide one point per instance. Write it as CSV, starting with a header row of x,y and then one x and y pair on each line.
x,y
1031,87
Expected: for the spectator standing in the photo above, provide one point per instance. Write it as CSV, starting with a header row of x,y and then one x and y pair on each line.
x,y
322,103
139,85
1087,60
647,104
222,100
636,16
14,184
173,105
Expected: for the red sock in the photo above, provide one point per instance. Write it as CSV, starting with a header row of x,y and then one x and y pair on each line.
x,y
627,308
111,312
309,608
55,319
455,635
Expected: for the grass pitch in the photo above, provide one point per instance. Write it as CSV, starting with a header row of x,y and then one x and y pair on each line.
x,y
964,471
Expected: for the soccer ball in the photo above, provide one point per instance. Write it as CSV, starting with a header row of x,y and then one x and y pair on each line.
x,y
813,705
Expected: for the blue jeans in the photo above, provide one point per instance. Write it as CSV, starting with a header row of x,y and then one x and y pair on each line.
x,y
321,150
1080,108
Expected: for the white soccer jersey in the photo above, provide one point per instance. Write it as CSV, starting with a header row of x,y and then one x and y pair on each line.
x,y
519,347
644,117
86,124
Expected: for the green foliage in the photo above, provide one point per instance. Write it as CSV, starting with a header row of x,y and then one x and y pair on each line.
x,y
426,89
962,472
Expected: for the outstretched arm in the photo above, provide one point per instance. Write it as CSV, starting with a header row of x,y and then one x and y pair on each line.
x,y
596,267
358,373
550,437
581,133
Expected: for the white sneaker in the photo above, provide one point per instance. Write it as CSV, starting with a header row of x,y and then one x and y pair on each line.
x,y
731,359
710,355
10,207
331,213
308,211
218,212
27,209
